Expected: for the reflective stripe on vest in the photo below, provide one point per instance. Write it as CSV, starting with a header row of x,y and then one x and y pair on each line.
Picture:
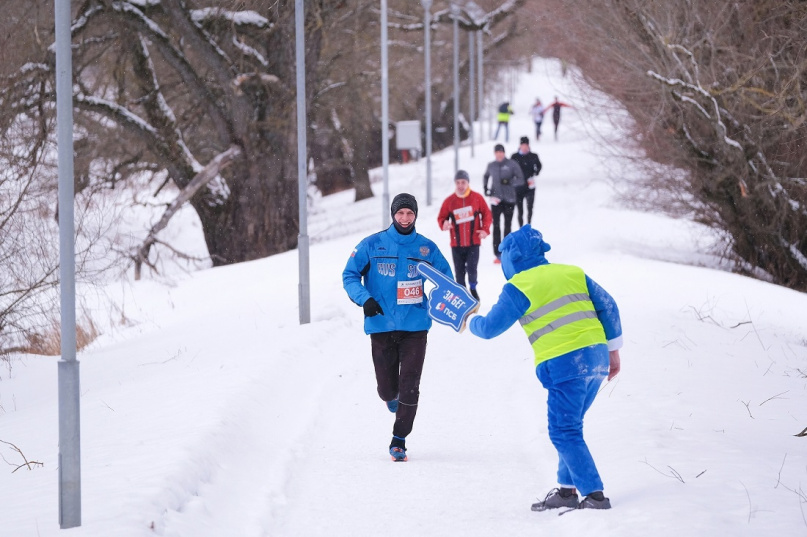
x,y
563,321
552,306
561,317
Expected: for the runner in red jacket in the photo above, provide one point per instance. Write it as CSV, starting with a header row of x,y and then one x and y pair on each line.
x,y
467,216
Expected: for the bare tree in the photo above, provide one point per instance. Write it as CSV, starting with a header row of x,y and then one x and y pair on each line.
x,y
164,87
181,83
196,97
29,260
716,89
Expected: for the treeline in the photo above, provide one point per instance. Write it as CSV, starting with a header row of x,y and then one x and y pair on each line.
x,y
716,89
200,95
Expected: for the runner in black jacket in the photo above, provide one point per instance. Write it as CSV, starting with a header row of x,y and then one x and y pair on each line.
x,y
530,165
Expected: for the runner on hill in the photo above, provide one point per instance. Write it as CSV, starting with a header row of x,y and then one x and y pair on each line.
x,y
530,166
503,117
537,111
501,178
381,276
556,105
467,216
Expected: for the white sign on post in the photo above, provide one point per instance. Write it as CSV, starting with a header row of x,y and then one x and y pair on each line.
x,y
407,135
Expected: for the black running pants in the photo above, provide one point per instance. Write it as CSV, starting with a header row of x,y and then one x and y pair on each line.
x,y
466,261
524,194
398,359
501,209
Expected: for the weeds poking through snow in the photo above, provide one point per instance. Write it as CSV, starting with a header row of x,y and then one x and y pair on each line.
x,y
29,464
673,472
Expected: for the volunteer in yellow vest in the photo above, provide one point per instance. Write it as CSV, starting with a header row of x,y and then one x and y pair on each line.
x,y
503,118
574,328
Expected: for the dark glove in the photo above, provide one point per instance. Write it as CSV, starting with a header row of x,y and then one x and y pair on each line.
x,y
372,308
488,192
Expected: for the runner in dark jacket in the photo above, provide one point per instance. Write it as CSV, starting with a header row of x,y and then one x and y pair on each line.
x,y
556,105
531,166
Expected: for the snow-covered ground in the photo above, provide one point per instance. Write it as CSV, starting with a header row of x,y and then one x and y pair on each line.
x,y
212,412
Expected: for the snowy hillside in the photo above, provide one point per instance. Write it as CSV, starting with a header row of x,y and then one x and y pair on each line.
x,y
214,413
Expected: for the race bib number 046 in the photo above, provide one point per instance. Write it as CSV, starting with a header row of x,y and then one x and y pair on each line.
x,y
410,292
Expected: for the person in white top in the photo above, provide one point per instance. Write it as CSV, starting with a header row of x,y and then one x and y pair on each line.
x,y
537,112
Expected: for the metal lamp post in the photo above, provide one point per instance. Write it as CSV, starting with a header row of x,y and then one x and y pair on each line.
x,y
455,14
471,88
385,215
68,367
427,59
479,53
304,298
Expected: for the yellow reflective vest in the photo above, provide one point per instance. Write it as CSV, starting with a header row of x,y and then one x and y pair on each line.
x,y
561,317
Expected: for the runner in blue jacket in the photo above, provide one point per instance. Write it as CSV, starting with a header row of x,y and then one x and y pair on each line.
x,y
381,276
575,331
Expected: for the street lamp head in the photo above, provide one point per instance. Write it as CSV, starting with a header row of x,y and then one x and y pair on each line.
x,y
427,4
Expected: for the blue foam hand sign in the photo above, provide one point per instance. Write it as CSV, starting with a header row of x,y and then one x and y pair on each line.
x,y
449,303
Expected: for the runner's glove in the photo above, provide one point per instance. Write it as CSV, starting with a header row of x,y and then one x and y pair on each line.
x,y
372,308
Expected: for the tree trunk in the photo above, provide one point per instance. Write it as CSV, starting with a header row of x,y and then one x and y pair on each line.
x,y
362,145
260,217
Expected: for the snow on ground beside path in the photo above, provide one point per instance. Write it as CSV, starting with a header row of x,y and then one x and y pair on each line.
x,y
216,414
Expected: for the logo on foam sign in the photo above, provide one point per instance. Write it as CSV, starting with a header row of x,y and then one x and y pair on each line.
x,y
449,303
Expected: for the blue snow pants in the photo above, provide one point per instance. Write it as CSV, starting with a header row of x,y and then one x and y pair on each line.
x,y
567,404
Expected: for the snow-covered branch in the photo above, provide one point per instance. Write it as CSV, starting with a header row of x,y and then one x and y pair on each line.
x,y
139,22
470,17
250,51
207,174
240,18
158,110
716,119
118,114
220,65
797,255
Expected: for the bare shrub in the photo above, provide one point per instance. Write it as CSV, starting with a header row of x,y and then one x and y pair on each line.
x,y
48,341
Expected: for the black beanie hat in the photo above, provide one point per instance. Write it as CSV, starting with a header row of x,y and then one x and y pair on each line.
x,y
499,147
462,174
525,140
403,201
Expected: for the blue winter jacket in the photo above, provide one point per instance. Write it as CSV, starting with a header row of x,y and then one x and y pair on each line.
x,y
384,266
522,250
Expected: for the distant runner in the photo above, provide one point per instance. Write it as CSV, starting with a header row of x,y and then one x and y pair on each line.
x,y
537,111
530,167
556,105
503,117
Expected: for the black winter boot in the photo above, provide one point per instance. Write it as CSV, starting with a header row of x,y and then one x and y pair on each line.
x,y
595,500
557,498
